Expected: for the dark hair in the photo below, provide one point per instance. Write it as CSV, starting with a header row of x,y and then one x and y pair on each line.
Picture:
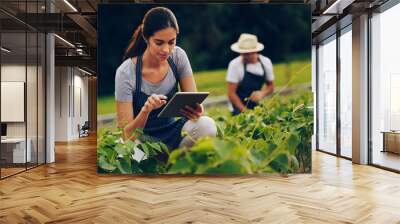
x,y
156,19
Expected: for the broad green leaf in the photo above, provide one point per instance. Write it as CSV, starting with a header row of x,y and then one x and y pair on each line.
x,y
164,147
135,167
220,132
182,166
130,145
145,149
227,167
124,165
268,169
295,163
149,165
257,156
155,146
280,163
109,152
121,150
292,142
203,145
198,157
224,148
105,165
260,144
173,156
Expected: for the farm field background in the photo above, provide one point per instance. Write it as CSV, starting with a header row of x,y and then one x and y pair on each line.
x,y
297,72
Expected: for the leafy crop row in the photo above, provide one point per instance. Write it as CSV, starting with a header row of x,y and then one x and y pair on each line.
x,y
274,137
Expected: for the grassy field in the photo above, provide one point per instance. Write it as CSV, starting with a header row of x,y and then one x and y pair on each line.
x,y
296,72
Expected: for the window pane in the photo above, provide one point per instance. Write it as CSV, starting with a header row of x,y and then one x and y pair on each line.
x,y
31,96
41,98
14,149
385,84
327,96
346,94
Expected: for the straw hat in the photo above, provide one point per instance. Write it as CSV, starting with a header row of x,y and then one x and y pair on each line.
x,y
247,43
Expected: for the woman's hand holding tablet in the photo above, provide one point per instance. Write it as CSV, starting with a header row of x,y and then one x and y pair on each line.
x,y
193,113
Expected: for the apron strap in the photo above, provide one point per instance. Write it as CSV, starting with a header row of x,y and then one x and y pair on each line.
x,y
174,70
263,68
138,78
173,67
244,68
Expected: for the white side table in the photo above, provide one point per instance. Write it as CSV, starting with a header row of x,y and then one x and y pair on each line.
x,y
19,149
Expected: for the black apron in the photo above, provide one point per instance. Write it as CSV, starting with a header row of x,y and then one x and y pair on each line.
x,y
165,129
250,83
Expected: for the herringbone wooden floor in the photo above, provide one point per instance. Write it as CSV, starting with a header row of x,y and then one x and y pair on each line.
x,y
70,191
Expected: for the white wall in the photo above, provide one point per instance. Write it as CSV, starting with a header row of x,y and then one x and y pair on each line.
x,y
70,83
80,101
13,73
61,103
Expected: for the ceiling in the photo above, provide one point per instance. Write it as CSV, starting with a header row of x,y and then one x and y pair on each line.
x,y
76,20
73,21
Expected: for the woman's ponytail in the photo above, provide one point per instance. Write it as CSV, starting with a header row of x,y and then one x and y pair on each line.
x,y
155,19
137,44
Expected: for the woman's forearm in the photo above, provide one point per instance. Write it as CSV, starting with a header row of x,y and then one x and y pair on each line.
x,y
138,122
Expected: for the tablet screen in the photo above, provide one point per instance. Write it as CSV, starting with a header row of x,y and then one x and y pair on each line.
x,y
180,100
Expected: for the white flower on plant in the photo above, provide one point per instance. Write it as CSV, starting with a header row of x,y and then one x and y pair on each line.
x,y
120,141
138,155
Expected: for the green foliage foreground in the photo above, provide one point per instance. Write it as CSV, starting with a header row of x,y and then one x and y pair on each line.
x,y
275,137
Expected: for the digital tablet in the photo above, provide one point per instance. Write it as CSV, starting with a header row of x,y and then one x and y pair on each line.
x,y
180,100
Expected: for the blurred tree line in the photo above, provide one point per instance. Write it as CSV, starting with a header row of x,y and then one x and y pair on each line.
x,y
206,33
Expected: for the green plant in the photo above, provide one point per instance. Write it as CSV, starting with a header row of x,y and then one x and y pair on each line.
x,y
115,155
274,137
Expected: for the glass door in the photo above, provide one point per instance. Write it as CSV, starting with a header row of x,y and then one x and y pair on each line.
x,y
385,89
14,154
327,95
346,92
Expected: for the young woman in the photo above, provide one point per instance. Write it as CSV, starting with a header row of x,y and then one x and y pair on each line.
x,y
149,76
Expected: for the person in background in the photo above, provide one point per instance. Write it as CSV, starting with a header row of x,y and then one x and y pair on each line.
x,y
247,74
150,74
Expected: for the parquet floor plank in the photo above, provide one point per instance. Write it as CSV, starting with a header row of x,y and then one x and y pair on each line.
x,y
70,191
